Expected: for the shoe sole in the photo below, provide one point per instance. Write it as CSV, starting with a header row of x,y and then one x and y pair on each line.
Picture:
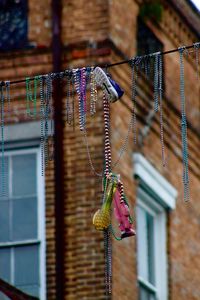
x,y
102,80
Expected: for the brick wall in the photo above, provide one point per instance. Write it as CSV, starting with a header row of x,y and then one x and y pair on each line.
x,y
86,28
183,225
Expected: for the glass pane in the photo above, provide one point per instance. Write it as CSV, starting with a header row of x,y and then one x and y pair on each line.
x,y
13,24
32,290
3,297
146,294
5,264
4,184
142,246
4,221
24,175
143,295
26,265
147,42
24,219
150,238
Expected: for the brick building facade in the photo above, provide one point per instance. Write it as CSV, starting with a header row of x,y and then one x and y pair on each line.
x,y
101,32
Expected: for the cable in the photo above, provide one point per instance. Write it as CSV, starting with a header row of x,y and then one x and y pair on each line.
x,y
61,74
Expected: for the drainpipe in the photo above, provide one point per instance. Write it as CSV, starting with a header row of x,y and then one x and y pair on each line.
x,y
56,7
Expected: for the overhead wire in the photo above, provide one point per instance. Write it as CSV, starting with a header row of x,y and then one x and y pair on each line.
x,y
106,66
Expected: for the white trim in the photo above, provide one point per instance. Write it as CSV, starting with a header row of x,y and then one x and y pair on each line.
x,y
41,225
160,244
155,181
41,241
19,243
23,131
161,271
151,287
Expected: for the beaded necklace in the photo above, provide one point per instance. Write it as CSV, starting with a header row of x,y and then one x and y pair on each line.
x,y
134,78
184,127
156,80
42,114
196,48
7,96
107,236
31,97
93,93
2,140
69,107
47,111
51,116
160,80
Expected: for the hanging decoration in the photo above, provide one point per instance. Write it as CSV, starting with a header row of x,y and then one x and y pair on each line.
x,y
196,47
2,140
80,80
184,127
160,88
134,78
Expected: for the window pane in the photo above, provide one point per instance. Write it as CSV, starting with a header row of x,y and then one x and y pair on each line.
x,y
145,224
143,295
142,245
32,290
24,175
4,221
146,294
24,219
150,238
147,42
4,192
13,24
3,297
26,265
5,261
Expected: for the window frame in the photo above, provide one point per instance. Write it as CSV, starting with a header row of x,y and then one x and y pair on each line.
x,y
159,195
23,42
40,240
149,204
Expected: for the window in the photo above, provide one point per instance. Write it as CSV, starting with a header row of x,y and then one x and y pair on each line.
x,y
22,225
147,42
155,196
13,24
151,241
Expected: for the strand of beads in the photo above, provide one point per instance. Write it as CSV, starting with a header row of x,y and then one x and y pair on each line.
x,y
184,127
68,107
31,97
160,67
2,140
196,47
107,134
121,190
83,86
107,237
134,77
77,79
42,121
47,109
93,93
51,116
73,101
156,80
7,85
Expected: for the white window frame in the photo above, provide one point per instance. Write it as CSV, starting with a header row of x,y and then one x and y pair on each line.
x,y
156,195
41,241
158,212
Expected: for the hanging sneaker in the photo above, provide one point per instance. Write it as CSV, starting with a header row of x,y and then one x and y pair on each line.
x,y
111,87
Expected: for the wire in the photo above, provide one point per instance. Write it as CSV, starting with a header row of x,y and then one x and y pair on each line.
x,y
61,74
